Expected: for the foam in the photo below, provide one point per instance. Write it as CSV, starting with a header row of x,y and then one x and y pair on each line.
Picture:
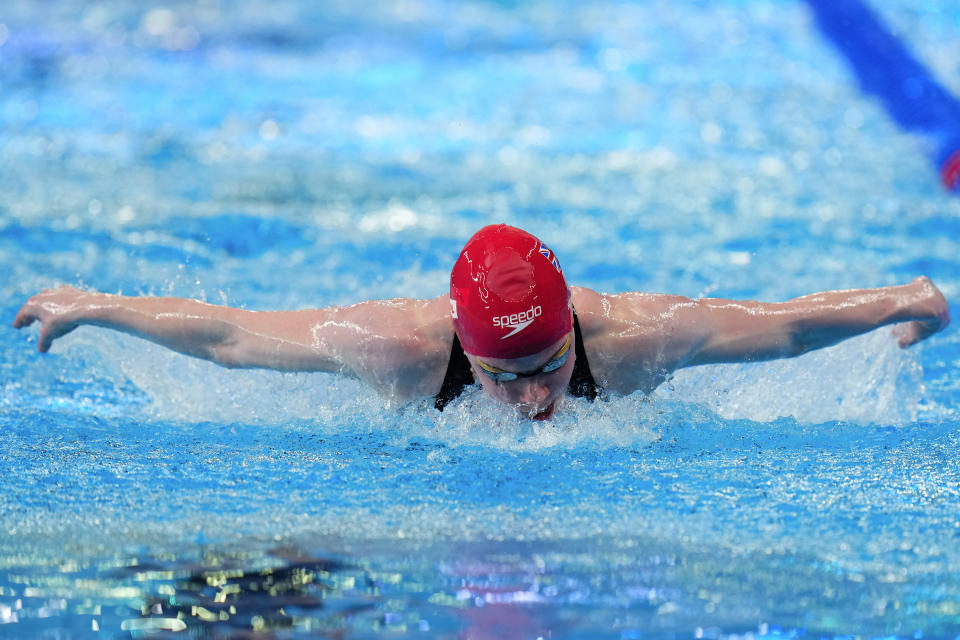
x,y
866,380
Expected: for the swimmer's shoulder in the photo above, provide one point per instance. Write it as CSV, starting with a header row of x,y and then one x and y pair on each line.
x,y
433,324
426,338
601,314
626,337
416,336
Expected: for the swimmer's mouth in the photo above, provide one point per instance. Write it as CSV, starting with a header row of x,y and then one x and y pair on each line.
x,y
545,414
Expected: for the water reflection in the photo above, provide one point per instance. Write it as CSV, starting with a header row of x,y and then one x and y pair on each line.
x,y
227,599
223,594
478,590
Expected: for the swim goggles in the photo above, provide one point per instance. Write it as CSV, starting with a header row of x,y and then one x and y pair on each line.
x,y
554,363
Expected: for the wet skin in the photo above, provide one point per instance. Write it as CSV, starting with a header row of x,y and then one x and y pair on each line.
x,y
534,397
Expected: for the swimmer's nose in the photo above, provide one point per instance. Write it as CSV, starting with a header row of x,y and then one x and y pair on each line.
x,y
533,393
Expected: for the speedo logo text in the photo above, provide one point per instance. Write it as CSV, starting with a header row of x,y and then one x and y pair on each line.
x,y
517,321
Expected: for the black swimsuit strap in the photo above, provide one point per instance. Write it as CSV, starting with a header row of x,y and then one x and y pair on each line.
x,y
459,375
582,384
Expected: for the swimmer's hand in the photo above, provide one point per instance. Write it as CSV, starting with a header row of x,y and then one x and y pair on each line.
x,y
58,310
929,307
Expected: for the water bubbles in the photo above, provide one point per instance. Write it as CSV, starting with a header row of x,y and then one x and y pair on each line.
x,y
164,25
214,153
125,214
396,217
159,22
269,130
865,380
662,158
771,166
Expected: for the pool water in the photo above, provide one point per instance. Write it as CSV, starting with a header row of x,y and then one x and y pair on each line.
x,y
282,155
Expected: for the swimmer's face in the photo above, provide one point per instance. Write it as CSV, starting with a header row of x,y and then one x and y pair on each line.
x,y
534,396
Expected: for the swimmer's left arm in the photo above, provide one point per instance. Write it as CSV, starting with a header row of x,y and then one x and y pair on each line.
x,y
729,331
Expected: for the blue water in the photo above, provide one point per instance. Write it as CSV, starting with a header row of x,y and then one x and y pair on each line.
x,y
290,154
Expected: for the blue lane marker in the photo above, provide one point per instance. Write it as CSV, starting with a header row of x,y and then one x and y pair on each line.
x,y
887,70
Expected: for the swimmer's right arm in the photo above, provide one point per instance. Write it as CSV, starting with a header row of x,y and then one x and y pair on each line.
x,y
187,326
382,342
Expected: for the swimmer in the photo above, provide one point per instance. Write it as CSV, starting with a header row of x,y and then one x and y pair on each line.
x,y
509,323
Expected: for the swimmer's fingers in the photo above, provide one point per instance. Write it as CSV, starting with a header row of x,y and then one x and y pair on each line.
x,y
920,330
50,331
913,332
54,309
24,317
31,311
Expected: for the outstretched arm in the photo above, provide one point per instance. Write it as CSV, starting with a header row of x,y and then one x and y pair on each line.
x,y
729,331
634,341
382,342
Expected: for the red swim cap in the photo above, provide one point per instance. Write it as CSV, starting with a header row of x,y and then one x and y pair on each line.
x,y
508,294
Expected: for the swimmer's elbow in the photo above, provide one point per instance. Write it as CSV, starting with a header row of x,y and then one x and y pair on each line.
x,y
228,354
757,342
803,338
788,343
257,354
784,345
795,348
240,349
752,348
